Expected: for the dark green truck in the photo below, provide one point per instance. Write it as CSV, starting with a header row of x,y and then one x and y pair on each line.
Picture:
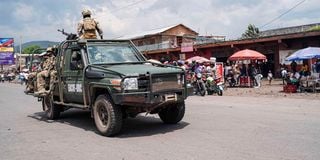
x,y
113,80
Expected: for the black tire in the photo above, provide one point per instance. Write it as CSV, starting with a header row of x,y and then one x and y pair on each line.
x,y
172,114
210,92
51,110
220,92
107,116
202,89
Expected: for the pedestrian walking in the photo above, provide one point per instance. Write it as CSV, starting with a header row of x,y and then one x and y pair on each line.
x,y
270,77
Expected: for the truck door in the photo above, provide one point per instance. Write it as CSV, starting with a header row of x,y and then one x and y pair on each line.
x,y
72,76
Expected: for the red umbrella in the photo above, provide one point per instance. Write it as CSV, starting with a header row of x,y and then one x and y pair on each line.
x,y
197,59
247,54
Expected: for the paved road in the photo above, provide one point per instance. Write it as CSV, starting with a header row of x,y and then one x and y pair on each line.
x,y
228,128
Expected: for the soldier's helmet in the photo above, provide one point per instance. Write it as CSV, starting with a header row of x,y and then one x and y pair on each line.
x,y
49,50
86,12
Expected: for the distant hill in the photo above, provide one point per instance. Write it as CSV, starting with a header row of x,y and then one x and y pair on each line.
x,y
42,44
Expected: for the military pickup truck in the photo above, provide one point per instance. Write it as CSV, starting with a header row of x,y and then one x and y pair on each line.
x,y
113,80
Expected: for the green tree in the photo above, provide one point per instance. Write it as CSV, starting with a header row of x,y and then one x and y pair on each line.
x,y
251,32
30,49
315,28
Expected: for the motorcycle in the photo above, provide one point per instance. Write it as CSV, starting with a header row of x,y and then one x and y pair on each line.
x,y
230,79
199,85
214,86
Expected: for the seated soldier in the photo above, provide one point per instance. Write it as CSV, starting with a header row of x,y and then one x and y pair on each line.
x,y
31,80
48,70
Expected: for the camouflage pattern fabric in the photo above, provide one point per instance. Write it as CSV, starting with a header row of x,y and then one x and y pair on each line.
x,y
30,83
87,29
53,78
41,80
49,70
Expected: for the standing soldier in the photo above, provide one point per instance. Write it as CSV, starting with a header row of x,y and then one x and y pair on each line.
x,y
88,27
48,70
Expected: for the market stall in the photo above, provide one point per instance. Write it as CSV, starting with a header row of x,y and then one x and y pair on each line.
x,y
306,53
311,82
246,57
198,59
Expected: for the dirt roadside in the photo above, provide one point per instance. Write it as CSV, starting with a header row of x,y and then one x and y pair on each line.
x,y
275,90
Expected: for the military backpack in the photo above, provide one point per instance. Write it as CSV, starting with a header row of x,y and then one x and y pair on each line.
x,y
89,24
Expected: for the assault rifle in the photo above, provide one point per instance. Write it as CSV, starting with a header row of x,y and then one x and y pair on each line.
x,y
70,36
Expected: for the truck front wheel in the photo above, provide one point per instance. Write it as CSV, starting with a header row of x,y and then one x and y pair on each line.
x,y
107,116
172,114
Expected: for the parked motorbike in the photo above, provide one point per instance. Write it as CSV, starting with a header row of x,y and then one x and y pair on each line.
x,y
214,86
199,85
230,80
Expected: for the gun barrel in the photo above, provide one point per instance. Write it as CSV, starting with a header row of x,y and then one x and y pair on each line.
x,y
63,32
70,36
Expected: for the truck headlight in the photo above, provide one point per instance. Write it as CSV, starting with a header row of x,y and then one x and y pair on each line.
x,y
130,84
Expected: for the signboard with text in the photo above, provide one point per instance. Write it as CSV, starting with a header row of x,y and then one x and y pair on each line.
x,y
6,51
187,47
6,58
220,71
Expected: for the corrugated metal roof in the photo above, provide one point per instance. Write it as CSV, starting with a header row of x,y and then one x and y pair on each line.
x,y
152,32
145,33
288,30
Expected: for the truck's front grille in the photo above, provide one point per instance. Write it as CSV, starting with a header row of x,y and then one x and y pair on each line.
x,y
160,83
165,82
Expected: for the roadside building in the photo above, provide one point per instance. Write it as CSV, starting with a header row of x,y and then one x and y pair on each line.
x,y
181,42
167,42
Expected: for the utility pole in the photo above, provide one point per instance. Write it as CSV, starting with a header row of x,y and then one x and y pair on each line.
x,y
20,53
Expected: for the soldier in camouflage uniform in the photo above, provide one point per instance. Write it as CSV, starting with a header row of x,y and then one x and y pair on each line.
x,y
88,26
48,70
31,82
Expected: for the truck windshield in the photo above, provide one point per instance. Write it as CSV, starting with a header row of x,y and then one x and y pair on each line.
x,y
112,53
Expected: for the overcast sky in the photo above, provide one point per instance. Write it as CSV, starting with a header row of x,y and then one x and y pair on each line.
x,y
39,19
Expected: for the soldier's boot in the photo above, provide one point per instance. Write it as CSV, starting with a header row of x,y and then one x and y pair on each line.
x,y
28,90
31,88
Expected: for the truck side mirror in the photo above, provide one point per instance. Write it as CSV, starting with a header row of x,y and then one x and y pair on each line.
x,y
93,74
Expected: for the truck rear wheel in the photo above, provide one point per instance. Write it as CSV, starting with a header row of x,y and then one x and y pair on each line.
x,y
172,114
107,116
52,110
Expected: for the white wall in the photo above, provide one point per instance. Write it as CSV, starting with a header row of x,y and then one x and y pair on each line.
x,y
285,53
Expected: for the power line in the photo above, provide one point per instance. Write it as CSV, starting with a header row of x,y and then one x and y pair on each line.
x,y
129,5
123,7
278,17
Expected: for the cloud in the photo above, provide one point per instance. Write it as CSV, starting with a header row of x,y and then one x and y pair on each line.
x,y
39,20
23,12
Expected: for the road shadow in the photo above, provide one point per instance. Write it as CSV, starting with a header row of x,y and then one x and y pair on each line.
x,y
142,126
132,127
77,118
